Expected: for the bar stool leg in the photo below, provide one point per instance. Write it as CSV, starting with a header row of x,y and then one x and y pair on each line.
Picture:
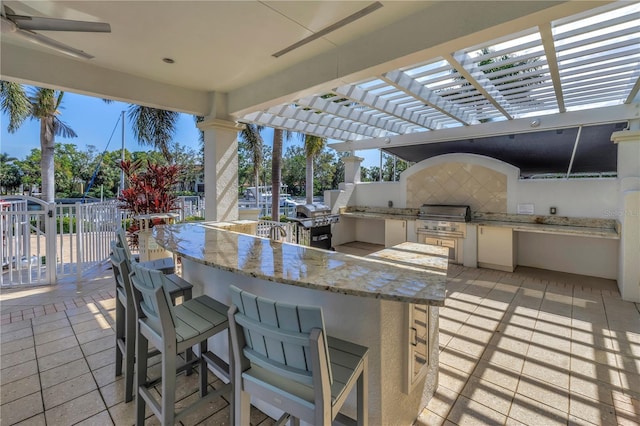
x,y
168,385
204,369
120,334
142,349
130,354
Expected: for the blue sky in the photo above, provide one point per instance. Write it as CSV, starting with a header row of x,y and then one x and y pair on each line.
x,y
94,120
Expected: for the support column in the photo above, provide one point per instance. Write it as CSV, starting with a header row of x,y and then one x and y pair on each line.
x,y
629,210
352,169
220,169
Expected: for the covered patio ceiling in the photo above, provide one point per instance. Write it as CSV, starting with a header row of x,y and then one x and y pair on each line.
x,y
406,73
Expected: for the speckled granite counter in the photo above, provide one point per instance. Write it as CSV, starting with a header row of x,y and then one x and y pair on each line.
x,y
380,213
560,225
410,275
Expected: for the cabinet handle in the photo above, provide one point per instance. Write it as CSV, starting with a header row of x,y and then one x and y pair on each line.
x,y
414,338
481,229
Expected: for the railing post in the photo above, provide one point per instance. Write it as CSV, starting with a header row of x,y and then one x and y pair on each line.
x,y
50,242
79,242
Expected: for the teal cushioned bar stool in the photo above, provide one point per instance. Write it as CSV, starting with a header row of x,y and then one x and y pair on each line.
x,y
126,316
282,355
173,330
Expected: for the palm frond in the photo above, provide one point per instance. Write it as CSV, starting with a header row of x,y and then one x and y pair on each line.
x,y
15,103
44,102
313,145
60,128
154,127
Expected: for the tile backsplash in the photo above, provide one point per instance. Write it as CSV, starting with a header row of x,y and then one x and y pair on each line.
x,y
483,189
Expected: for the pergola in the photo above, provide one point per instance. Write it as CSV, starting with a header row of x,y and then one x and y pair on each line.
x,y
391,75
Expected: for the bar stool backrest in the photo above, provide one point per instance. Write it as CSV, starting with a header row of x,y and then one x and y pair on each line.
x,y
152,301
121,269
278,336
121,238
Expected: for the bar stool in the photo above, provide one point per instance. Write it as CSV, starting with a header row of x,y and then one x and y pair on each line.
x,y
126,318
172,330
166,265
282,356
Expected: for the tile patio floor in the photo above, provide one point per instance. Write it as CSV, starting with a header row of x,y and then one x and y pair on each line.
x,y
532,347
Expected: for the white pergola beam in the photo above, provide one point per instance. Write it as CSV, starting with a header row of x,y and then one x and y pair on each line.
x,y
552,62
522,125
274,121
404,82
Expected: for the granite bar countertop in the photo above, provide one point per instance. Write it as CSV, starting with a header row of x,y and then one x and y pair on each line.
x,y
380,213
560,225
411,273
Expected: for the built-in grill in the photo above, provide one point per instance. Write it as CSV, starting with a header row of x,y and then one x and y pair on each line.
x,y
444,225
314,225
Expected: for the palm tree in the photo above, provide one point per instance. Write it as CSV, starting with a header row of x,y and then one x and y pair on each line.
x,y
251,135
313,145
155,127
43,105
276,170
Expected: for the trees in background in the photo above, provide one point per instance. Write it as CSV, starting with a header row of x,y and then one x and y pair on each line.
x,y
43,105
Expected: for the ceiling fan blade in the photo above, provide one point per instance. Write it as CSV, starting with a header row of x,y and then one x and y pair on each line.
x,y
35,23
52,44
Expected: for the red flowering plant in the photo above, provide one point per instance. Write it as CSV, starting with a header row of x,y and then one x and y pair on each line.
x,y
150,189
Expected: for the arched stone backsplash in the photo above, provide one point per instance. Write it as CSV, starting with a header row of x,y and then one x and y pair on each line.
x,y
483,189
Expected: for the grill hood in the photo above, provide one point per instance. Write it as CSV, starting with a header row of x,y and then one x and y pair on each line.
x,y
444,212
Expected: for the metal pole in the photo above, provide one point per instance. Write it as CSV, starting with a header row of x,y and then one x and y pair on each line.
x,y
122,156
380,166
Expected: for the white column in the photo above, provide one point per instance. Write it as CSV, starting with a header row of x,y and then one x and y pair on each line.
x,y
220,169
629,210
352,169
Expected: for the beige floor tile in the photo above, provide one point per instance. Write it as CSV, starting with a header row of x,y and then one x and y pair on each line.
x,y
531,412
63,373
68,390
452,378
221,418
49,318
468,412
53,335
21,333
498,375
467,345
590,388
429,418
504,357
630,382
21,409
18,372
89,336
105,375
442,401
101,419
15,358
547,373
98,323
544,393
56,346
59,358
101,359
46,327
37,420
125,414
458,360
8,328
99,345
20,388
207,410
113,393
584,408
591,370
76,410
16,345
488,394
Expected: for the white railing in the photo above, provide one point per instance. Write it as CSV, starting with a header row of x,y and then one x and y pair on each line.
x,y
264,229
27,245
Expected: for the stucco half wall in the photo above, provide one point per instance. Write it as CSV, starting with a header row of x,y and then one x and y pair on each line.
x,y
483,183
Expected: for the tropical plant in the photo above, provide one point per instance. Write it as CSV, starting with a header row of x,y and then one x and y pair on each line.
x,y
155,127
44,105
149,189
10,174
313,145
250,135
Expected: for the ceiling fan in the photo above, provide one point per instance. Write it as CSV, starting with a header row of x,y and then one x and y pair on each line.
x,y
25,27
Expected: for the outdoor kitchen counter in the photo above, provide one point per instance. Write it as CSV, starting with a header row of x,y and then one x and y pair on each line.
x,y
377,302
415,274
380,213
559,225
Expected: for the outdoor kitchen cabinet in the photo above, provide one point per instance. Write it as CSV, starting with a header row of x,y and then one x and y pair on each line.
x,y
395,232
497,248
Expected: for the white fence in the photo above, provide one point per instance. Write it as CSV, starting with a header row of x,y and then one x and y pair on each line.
x,y
44,242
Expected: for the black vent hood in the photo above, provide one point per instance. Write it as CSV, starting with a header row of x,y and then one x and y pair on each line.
x,y
547,151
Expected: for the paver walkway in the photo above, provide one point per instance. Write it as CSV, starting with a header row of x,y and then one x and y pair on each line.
x,y
532,347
